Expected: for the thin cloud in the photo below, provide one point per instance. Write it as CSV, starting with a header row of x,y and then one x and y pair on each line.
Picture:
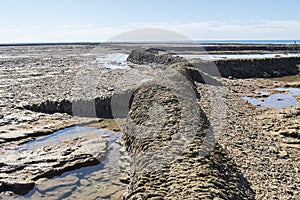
x,y
76,26
9,30
203,30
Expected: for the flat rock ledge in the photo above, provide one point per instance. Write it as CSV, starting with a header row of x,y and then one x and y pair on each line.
x,y
173,151
21,168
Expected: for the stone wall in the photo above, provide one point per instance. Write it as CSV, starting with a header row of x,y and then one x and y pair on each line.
x,y
99,107
235,68
253,68
173,151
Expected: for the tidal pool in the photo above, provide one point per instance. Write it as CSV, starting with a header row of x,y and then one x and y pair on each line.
x,y
112,61
93,182
64,134
277,100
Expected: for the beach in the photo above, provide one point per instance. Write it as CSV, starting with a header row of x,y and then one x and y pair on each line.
x,y
80,89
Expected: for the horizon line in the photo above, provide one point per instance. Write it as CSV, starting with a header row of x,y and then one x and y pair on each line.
x,y
292,41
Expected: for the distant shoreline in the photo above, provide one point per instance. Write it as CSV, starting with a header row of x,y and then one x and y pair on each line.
x,y
203,42
51,43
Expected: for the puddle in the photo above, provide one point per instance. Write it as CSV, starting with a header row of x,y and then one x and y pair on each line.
x,y
277,101
236,56
293,91
112,61
93,182
59,136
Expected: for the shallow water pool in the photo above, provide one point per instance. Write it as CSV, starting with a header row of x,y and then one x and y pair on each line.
x,y
64,134
112,61
277,100
94,182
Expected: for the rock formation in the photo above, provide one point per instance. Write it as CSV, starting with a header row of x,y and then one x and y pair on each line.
x,y
173,151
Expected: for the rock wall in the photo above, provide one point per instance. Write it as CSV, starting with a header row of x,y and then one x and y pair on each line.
x,y
99,107
254,68
235,68
159,56
173,153
233,48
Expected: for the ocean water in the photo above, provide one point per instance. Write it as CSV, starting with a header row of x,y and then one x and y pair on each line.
x,y
237,56
249,41
291,41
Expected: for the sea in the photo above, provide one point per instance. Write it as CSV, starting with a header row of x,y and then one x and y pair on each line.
x,y
248,41
206,42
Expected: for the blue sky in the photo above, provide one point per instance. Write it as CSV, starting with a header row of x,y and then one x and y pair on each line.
x,y
99,20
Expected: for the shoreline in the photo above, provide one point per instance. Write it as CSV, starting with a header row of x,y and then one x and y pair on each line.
x,y
251,135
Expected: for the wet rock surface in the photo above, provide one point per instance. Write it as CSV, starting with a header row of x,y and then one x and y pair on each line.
x,y
263,142
37,85
166,169
253,138
257,147
258,68
173,154
152,55
22,167
235,68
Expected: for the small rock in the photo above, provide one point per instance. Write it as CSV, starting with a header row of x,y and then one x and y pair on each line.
x,y
8,193
16,187
85,182
283,154
217,198
124,178
274,149
110,89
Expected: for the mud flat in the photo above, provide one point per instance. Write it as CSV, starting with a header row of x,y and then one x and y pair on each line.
x,y
45,89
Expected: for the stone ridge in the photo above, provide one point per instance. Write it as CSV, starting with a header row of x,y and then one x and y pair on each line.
x,y
173,153
254,68
236,68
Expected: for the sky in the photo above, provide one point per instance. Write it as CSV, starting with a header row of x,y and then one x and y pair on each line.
x,y
23,21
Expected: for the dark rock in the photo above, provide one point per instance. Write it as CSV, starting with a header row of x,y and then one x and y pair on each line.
x,y
157,56
254,68
124,179
169,142
17,187
229,68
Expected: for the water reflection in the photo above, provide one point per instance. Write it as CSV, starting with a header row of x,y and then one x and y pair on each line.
x,y
277,101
